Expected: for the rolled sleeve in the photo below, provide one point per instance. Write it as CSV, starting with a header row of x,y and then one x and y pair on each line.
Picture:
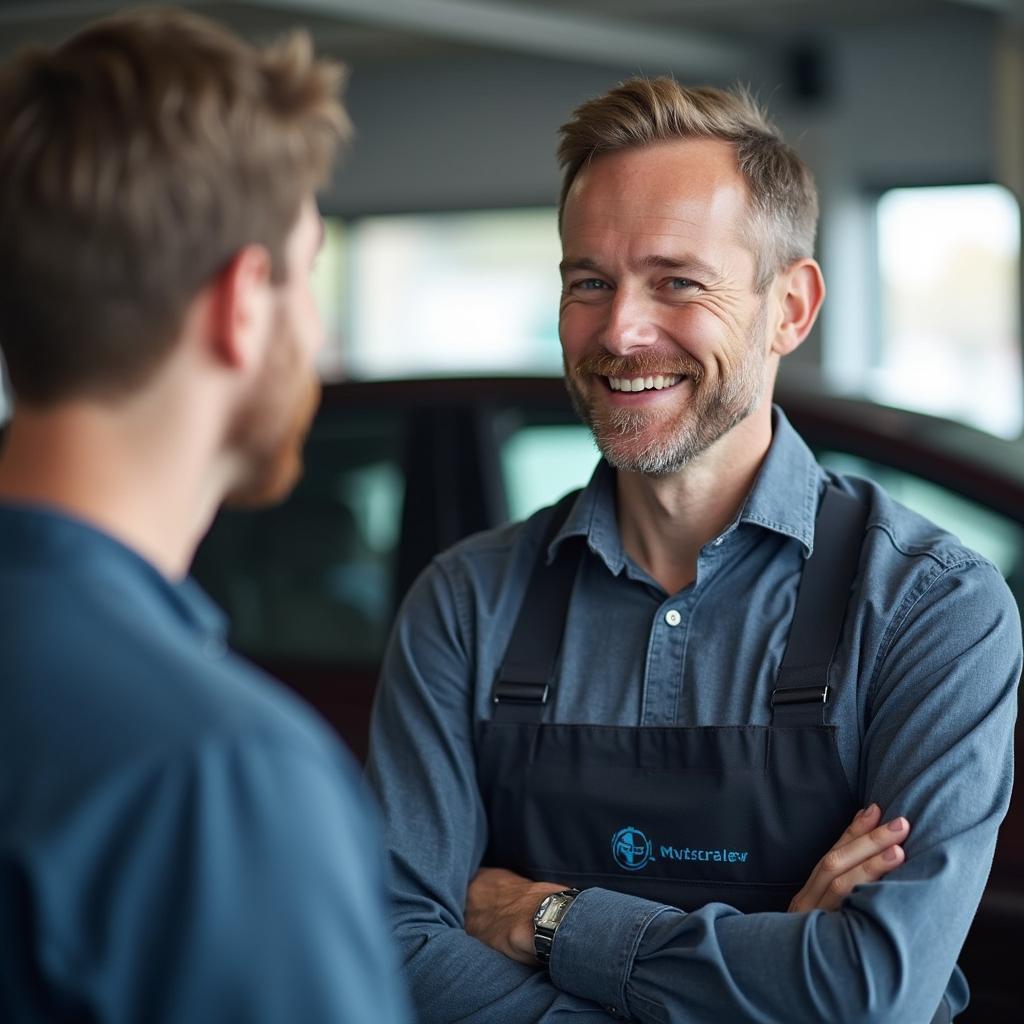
x,y
596,943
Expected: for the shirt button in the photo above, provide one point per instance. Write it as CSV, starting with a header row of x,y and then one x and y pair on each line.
x,y
672,617
718,542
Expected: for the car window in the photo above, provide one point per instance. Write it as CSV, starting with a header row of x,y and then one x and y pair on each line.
x,y
998,538
312,579
541,462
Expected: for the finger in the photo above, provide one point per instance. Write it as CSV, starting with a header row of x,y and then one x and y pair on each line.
x,y
843,858
847,852
870,871
863,822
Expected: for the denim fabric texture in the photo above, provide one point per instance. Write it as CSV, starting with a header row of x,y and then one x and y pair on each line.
x,y
923,698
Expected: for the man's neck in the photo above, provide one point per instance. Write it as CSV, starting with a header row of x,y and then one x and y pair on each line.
x,y
129,476
665,521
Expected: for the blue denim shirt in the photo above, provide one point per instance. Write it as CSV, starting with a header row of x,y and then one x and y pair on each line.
x,y
180,840
923,697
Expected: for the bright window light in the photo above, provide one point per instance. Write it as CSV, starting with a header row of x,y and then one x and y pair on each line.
x,y
454,293
949,343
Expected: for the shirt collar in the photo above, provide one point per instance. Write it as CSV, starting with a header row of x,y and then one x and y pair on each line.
x,y
48,536
199,610
785,494
784,499
593,516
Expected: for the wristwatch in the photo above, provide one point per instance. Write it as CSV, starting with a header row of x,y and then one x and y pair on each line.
x,y
547,919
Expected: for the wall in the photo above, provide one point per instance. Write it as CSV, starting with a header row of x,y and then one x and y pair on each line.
x,y
906,102
903,103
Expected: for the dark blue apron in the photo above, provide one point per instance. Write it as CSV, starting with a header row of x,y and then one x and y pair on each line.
x,y
681,815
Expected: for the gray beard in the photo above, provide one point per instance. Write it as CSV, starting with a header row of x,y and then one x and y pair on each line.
x,y
712,412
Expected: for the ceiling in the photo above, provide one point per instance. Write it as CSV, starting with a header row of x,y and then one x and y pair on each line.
x,y
706,36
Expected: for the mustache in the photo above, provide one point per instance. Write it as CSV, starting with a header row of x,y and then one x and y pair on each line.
x,y
644,364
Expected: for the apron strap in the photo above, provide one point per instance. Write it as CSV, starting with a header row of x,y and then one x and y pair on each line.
x,y
522,688
801,689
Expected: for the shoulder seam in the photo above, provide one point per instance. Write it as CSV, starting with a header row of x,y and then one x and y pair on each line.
x,y
910,600
958,553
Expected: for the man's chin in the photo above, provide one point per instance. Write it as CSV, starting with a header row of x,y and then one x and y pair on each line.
x,y
651,461
268,486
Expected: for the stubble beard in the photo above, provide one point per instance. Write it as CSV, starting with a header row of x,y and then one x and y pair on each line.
x,y
683,434
270,429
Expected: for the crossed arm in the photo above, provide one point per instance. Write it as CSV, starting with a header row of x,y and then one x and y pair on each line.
x,y
935,751
500,904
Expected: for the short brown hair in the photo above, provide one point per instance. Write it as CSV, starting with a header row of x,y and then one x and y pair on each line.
x,y
641,111
135,160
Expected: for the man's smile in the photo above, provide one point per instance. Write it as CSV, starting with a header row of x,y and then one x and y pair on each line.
x,y
657,382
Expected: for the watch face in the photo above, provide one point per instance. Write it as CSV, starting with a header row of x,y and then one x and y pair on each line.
x,y
551,911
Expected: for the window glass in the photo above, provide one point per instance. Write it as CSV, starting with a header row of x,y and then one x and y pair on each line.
x,y
455,293
999,539
312,580
949,341
540,463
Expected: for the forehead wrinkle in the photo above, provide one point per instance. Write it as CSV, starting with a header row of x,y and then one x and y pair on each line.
x,y
660,228
630,201
670,207
684,262
737,234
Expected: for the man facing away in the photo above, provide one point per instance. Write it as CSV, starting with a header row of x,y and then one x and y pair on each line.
x,y
180,840
642,717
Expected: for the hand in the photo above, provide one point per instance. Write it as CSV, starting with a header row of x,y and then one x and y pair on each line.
x,y
499,911
864,853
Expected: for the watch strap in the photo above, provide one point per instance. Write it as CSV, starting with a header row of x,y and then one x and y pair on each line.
x,y
544,933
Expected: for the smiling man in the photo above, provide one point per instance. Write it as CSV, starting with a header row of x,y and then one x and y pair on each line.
x,y
615,742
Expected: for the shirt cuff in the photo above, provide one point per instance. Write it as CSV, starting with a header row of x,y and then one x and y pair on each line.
x,y
596,942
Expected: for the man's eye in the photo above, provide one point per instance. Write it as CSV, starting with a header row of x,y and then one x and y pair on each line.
x,y
590,284
680,284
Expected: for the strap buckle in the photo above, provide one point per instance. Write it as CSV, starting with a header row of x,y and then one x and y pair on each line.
x,y
787,695
520,693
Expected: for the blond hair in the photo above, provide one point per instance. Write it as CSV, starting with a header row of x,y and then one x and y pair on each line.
x,y
135,160
641,112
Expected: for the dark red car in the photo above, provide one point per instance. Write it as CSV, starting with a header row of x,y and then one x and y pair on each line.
x,y
398,470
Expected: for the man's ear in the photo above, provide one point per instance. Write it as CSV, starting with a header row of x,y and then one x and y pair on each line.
x,y
241,307
800,289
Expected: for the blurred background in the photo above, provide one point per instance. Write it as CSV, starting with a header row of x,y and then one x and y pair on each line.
x,y
442,249
439,288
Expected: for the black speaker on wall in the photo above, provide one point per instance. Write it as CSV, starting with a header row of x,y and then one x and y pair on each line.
x,y
808,72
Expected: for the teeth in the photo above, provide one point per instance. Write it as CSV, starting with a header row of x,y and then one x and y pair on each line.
x,y
643,383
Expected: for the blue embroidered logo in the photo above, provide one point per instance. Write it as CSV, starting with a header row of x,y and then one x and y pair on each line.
x,y
631,848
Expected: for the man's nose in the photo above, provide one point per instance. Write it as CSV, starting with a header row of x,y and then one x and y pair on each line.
x,y
630,326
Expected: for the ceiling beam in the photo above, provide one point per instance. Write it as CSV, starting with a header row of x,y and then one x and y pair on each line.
x,y
46,10
534,30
